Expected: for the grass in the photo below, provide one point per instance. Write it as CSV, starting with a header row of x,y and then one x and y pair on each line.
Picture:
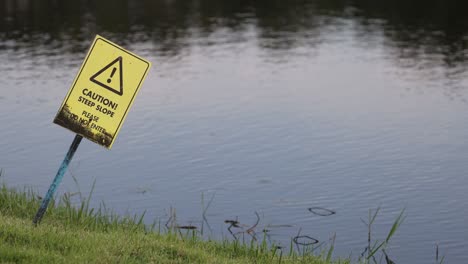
x,y
373,247
69,234
80,234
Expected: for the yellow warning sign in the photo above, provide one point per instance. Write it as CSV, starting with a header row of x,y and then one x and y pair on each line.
x,y
103,92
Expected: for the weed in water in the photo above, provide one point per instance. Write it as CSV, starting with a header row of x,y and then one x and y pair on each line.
x,y
373,247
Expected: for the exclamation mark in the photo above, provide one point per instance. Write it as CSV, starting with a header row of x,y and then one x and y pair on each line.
x,y
112,74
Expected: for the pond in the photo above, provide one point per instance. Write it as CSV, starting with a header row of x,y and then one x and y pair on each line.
x,y
262,106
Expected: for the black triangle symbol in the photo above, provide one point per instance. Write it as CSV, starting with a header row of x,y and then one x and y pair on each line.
x,y
93,78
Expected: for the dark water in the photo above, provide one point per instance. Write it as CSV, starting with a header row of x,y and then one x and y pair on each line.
x,y
272,106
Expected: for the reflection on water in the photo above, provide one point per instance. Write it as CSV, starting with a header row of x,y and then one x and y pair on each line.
x,y
294,110
429,30
429,37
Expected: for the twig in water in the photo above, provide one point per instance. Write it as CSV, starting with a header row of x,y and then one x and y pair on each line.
x,y
187,227
387,259
251,230
311,240
172,219
205,209
437,256
298,234
232,223
321,211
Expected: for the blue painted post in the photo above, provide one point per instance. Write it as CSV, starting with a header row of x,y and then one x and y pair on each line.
x,y
57,179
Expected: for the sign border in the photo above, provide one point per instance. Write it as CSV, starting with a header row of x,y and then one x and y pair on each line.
x,y
98,37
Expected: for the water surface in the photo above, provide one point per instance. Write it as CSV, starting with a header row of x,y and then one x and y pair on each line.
x,y
271,107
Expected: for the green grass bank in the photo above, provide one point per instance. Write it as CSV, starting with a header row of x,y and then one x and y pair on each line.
x,y
69,234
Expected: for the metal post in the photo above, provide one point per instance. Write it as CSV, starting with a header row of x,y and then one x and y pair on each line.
x,y
57,179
